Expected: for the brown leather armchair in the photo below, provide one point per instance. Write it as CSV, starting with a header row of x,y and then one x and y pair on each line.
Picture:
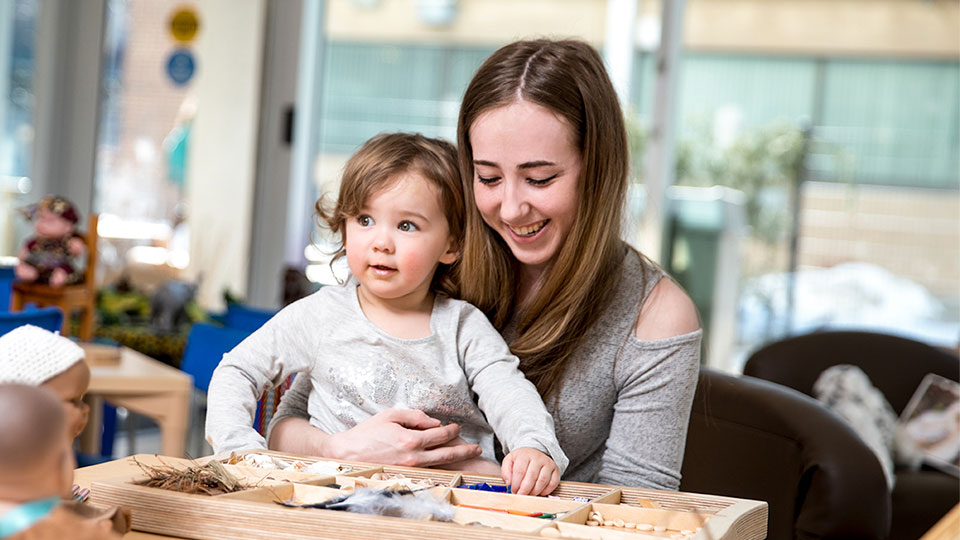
x,y
895,366
754,439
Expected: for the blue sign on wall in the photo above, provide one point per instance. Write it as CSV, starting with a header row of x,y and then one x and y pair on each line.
x,y
180,66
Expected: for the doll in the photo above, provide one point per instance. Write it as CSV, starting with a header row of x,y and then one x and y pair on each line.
x,y
51,255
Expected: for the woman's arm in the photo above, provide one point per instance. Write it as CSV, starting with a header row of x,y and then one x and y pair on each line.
x,y
394,436
656,376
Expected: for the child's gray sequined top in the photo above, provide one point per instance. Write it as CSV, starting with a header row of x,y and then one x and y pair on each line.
x,y
357,370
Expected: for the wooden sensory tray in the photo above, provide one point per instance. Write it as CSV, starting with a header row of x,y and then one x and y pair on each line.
x,y
253,513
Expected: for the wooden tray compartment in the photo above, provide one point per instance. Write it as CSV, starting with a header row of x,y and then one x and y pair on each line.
x,y
347,467
412,478
578,491
293,493
519,503
259,476
657,523
465,499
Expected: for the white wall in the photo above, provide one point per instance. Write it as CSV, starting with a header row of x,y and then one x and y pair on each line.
x,y
223,146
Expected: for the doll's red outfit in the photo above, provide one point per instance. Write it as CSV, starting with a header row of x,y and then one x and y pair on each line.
x,y
48,254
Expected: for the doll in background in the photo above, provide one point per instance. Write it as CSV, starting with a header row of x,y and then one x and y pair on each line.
x,y
51,256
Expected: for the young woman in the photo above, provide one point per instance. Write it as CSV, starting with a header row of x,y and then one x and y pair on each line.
x,y
611,343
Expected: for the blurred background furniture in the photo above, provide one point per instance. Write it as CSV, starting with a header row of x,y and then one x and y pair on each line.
x,y
48,318
79,297
754,439
205,346
244,317
895,366
6,286
145,386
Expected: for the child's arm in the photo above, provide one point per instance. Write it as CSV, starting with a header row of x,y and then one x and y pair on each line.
x,y
530,472
263,360
511,403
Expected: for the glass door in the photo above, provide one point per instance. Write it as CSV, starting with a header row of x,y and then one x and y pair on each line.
x,y
17,45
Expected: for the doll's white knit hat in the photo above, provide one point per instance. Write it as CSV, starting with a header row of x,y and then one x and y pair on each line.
x,y
32,355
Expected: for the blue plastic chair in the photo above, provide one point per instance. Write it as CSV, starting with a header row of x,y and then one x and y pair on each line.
x,y
243,317
206,345
6,286
48,318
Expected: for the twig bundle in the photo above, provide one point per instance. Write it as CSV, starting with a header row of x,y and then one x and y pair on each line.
x,y
209,479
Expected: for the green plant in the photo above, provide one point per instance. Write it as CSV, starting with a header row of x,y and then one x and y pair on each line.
x,y
763,163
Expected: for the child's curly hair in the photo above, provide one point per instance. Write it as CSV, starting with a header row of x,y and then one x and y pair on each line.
x,y
376,165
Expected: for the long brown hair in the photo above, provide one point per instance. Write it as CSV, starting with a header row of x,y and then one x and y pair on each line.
x,y
568,78
379,163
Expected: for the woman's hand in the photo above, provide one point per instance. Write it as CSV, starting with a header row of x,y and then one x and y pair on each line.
x,y
530,472
394,437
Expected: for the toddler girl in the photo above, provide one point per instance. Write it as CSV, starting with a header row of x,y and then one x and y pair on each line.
x,y
391,336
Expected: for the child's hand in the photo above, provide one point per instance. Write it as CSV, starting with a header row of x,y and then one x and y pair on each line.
x,y
530,472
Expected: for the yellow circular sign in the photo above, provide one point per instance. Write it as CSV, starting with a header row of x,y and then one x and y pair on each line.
x,y
184,25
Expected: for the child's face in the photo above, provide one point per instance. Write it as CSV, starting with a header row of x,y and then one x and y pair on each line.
x,y
70,386
395,243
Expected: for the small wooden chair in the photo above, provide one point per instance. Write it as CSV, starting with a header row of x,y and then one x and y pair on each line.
x,y
69,298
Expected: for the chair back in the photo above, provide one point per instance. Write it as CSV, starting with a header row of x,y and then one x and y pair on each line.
x,y
895,365
91,237
758,440
243,317
6,286
48,318
205,347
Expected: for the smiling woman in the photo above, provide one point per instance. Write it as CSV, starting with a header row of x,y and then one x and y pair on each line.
x,y
529,193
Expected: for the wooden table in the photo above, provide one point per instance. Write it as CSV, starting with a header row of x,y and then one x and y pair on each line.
x,y
145,386
85,477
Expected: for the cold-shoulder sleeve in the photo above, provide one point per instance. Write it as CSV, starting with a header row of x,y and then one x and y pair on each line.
x,y
655,382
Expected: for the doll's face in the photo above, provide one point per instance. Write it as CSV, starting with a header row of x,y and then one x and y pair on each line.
x,y
51,225
70,386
